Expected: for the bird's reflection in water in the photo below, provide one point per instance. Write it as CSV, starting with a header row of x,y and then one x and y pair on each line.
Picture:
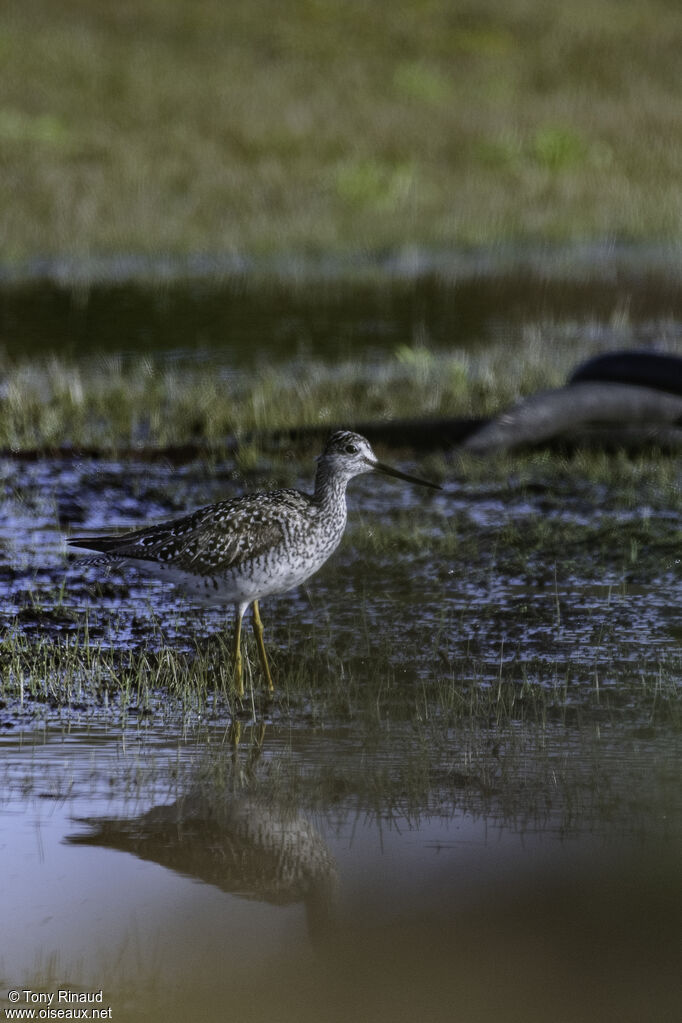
x,y
245,844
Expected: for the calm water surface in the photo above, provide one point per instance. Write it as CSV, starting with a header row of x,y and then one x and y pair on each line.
x,y
122,872
236,314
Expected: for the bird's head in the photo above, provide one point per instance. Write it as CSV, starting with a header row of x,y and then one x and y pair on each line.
x,y
348,454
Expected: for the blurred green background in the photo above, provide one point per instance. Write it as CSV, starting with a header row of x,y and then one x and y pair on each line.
x,y
179,126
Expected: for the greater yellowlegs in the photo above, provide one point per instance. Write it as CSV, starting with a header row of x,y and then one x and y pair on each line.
x,y
241,550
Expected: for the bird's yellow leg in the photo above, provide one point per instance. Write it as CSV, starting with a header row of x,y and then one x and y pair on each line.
x,y
258,633
235,734
237,654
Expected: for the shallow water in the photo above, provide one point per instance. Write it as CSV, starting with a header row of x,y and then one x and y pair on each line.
x,y
464,801
507,574
172,904
533,839
293,306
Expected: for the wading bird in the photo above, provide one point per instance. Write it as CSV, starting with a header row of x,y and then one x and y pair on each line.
x,y
242,550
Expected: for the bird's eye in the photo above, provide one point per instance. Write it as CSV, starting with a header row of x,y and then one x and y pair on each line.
x,y
351,449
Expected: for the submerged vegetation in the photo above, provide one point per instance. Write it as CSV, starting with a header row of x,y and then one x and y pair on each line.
x,y
516,591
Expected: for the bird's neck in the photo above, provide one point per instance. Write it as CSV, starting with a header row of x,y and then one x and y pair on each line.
x,y
330,488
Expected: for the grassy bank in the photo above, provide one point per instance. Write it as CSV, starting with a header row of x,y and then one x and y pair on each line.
x,y
117,403
172,126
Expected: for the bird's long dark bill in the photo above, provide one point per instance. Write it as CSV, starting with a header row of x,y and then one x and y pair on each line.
x,y
390,471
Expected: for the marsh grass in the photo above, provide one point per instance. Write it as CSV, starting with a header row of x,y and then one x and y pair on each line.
x,y
507,746
212,127
70,676
118,403
515,605
138,402
456,726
